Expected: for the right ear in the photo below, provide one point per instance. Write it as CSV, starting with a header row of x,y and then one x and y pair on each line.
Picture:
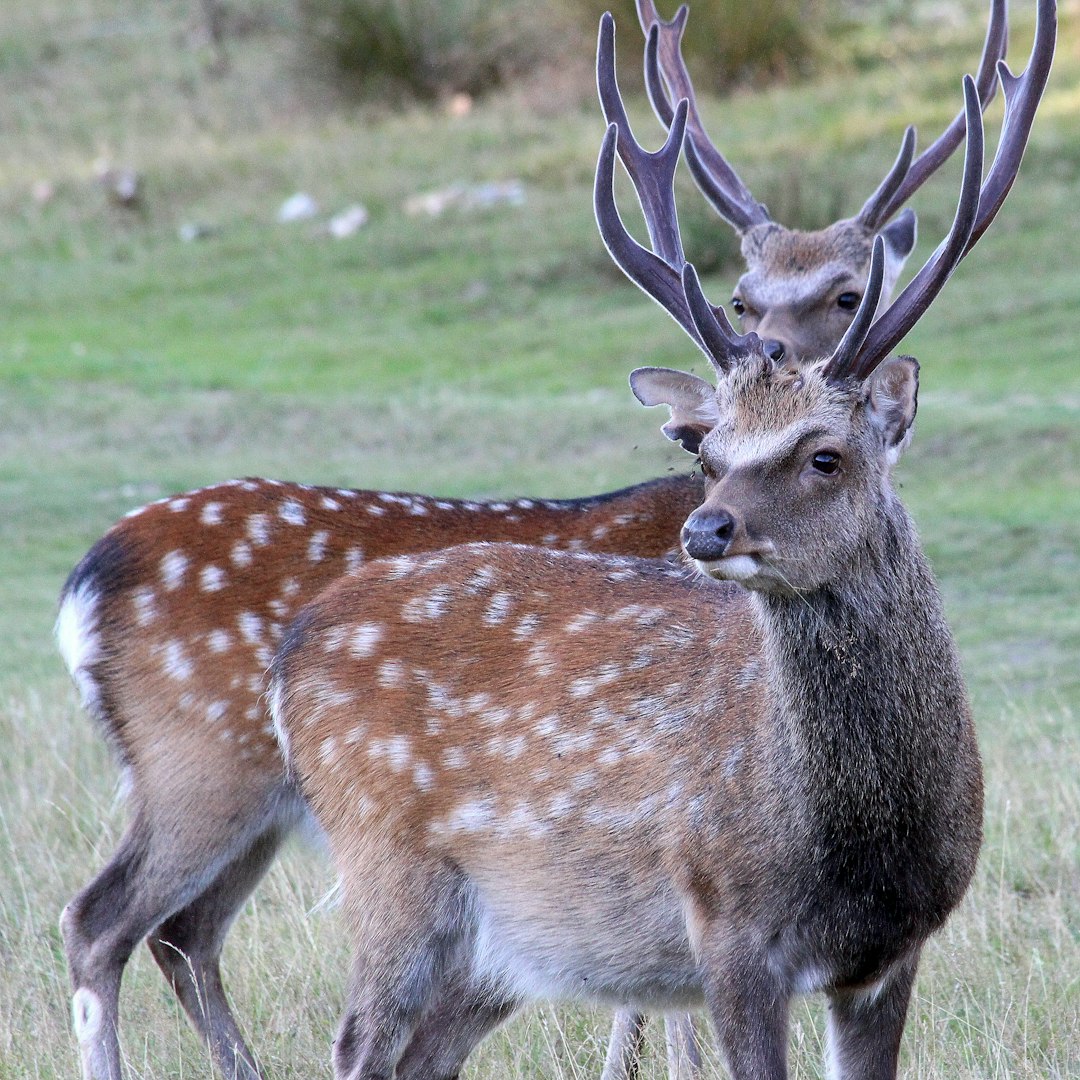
x,y
692,401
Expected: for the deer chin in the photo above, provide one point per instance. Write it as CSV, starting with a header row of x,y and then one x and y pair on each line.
x,y
751,570
741,568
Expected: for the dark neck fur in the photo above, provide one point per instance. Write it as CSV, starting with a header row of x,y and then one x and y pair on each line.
x,y
868,685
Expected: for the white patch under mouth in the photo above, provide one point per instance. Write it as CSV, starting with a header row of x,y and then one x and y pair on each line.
x,y
732,568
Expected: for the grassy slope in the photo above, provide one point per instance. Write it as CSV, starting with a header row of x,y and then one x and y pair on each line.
x,y
488,354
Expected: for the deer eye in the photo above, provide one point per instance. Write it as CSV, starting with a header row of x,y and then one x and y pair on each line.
x,y
825,462
848,301
738,306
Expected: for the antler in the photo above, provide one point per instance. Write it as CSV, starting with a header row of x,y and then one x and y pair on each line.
x,y
895,190
665,70
718,181
976,208
662,273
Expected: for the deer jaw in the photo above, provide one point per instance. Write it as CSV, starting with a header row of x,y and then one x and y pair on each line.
x,y
791,291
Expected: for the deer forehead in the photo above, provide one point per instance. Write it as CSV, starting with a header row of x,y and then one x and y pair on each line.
x,y
765,411
789,266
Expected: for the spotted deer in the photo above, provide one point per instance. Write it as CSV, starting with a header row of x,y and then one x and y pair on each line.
x,y
564,774
168,625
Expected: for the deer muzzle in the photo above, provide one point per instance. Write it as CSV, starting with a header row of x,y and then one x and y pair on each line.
x,y
708,533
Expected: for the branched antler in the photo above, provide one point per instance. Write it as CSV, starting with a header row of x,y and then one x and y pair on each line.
x,y
666,78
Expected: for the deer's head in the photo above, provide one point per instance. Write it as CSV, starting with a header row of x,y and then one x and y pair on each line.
x,y
796,452
800,290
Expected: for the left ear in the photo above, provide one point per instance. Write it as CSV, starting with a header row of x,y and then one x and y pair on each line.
x,y
692,401
891,394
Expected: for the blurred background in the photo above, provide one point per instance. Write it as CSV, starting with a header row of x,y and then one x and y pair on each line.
x,y
351,242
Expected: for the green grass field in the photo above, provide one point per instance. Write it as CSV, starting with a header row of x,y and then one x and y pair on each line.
x,y
487,353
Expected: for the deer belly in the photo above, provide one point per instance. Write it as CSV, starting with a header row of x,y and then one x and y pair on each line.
x,y
560,934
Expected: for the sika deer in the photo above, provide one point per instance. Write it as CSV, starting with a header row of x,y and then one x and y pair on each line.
x,y
167,626
800,289
570,775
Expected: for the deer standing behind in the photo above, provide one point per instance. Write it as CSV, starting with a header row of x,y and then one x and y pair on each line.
x,y
169,622
552,774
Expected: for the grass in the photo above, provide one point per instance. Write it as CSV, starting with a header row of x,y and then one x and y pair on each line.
x,y
487,354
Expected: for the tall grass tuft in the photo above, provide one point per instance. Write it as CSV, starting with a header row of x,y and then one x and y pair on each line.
x,y
728,42
424,49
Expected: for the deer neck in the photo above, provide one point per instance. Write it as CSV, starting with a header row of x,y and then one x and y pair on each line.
x,y
865,678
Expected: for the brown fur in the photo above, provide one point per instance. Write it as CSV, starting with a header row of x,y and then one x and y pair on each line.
x,y
169,624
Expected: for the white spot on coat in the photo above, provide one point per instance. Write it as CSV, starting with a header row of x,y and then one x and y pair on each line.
x,y
292,512
176,663
173,567
364,639
258,530
211,514
316,549
211,578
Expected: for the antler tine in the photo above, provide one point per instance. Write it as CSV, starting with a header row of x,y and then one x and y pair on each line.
x,y
1022,96
718,181
653,174
724,347
927,283
644,268
842,361
883,203
661,272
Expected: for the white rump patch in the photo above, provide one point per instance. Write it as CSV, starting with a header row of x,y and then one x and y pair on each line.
x,y
77,640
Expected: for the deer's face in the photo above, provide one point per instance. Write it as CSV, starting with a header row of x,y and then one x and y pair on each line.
x,y
795,467
801,290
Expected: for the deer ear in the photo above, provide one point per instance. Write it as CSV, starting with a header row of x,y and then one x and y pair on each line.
x,y
692,401
899,237
892,393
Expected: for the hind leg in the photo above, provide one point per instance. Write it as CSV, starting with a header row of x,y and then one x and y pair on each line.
x,y
625,1044
449,1031
410,923
101,926
162,864
187,948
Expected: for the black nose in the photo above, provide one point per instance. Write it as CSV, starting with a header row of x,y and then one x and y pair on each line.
x,y
774,349
706,536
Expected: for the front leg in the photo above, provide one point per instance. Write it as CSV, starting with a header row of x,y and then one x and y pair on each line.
x,y
749,1008
865,1026
627,1041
